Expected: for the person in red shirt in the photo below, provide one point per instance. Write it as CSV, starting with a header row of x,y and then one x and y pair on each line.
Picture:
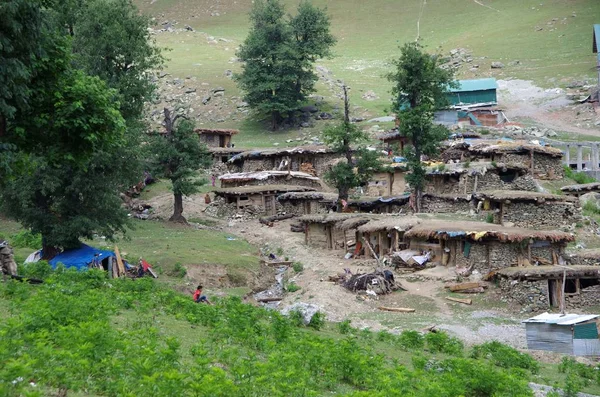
x,y
199,298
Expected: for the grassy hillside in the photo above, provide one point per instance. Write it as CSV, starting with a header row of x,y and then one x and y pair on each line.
x,y
552,39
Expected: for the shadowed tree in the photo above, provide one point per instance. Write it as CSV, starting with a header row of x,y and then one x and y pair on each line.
x,y
420,87
177,155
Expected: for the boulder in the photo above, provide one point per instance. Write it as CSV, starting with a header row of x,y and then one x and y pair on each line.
x,y
308,310
497,65
309,109
594,198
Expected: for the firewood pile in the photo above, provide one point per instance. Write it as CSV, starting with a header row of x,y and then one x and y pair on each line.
x,y
376,281
308,168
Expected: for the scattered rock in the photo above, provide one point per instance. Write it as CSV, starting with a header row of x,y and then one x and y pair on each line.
x,y
218,89
189,28
190,90
383,119
370,96
497,65
228,73
309,109
308,310
206,99
324,116
241,105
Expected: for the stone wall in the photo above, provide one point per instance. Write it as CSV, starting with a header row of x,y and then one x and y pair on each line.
x,y
320,162
548,215
465,184
7,260
444,205
210,140
587,297
297,207
317,235
544,166
531,295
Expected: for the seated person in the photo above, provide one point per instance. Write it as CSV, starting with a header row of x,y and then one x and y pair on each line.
x,y
198,297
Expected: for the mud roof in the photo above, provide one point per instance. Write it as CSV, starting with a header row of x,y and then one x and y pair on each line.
x,y
478,231
215,131
264,175
261,153
581,187
308,196
521,195
400,223
546,272
244,190
511,146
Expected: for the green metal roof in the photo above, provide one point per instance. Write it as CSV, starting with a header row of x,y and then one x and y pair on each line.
x,y
596,38
478,84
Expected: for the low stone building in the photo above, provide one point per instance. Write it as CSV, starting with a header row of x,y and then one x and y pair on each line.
x,y
311,159
383,236
394,138
323,231
221,155
259,199
486,247
292,178
581,189
584,257
446,203
390,181
536,288
307,203
529,209
379,205
469,177
544,162
215,137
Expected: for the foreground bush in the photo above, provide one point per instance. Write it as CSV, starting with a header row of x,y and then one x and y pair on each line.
x,y
80,332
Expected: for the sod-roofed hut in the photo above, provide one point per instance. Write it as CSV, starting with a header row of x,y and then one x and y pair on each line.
x,y
394,138
223,154
586,257
260,198
581,189
544,162
389,181
540,287
321,231
384,235
485,246
529,209
469,177
306,203
379,205
216,137
292,178
312,159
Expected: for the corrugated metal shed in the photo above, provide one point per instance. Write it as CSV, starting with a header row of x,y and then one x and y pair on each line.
x,y
470,92
575,334
596,38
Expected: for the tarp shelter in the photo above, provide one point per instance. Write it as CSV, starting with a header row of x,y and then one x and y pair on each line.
x,y
575,334
81,257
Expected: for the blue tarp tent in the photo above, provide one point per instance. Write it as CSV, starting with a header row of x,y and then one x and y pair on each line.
x,y
80,258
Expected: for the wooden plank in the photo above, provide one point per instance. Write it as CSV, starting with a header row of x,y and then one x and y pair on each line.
x,y
120,265
270,299
397,309
463,286
459,300
152,272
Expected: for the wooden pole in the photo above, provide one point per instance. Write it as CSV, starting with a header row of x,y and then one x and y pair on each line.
x,y
459,300
397,309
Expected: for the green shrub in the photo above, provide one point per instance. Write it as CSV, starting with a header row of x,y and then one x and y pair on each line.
x,y
344,327
298,267
317,321
292,287
40,270
569,365
411,340
178,271
297,318
441,342
279,251
505,356
489,218
26,239
579,177
441,167
494,164
484,131
590,208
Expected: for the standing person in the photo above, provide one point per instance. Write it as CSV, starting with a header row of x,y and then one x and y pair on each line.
x,y
199,298
213,179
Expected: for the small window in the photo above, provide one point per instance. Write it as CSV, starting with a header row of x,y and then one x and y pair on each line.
x,y
508,176
588,282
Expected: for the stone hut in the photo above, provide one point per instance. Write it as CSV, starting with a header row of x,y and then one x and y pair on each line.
x,y
315,160
581,189
537,288
394,137
384,236
529,209
223,154
486,247
584,257
446,203
390,181
469,177
544,162
307,203
260,199
292,178
214,137
321,231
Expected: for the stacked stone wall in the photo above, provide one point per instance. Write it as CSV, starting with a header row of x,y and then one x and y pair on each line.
x,y
320,162
444,205
548,215
544,166
531,295
465,184
274,180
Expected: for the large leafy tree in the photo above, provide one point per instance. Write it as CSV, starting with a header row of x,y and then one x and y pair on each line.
x,y
358,163
177,155
420,87
66,148
278,56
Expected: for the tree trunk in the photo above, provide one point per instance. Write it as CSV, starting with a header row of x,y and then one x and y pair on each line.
x,y
418,196
342,195
178,209
274,120
2,126
48,251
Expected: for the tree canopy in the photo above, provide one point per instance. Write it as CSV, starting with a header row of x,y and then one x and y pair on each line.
x,y
278,57
359,163
67,144
177,155
419,90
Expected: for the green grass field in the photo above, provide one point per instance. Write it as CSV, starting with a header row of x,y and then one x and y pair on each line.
x,y
369,34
